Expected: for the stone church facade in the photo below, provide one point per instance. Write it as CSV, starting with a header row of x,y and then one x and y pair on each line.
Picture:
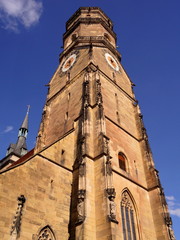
x,y
91,174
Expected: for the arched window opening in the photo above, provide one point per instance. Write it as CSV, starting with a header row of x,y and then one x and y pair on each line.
x,y
46,234
122,161
128,217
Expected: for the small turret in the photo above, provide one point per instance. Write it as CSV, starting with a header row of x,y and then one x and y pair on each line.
x,y
21,147
15,151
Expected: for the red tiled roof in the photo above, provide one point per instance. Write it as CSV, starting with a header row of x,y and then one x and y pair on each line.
x,y
23,158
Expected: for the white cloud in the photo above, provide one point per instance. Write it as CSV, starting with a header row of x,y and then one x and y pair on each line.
x,y
16,12
173,206
8,129
175,212
170,198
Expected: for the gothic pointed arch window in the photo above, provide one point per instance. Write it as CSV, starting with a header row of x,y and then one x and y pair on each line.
x,y
46,233
128,218
122,161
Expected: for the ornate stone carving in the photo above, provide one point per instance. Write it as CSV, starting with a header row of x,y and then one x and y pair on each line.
x,y
97,76
112,206
108,167
86,91
82,169
98,92
81,194
83,146
81,206
86,76
15,229
163,198
80,210
168,222
91,68
46,234
126,201
105,145
171,233
144,133
159,184
111,192
91,38
86,95
168,219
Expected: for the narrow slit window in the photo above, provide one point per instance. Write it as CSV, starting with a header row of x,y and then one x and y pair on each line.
x,y
62,159
114,78
66,116
68,76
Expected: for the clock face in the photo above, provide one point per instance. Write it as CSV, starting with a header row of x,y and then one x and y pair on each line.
x,y
69,62
112,62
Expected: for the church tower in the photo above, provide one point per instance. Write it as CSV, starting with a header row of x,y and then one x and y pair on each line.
x,y
91,175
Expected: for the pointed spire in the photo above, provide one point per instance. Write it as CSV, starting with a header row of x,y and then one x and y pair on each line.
x,y
21,147
25,122
23,130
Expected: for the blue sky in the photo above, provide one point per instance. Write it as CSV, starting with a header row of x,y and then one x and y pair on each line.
x,y
148,38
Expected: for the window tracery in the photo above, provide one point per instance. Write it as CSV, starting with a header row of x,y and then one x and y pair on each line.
x,y
46,234
128,217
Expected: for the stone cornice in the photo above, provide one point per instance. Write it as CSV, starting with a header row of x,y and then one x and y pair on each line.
x,y
88,10
90,40
89,21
